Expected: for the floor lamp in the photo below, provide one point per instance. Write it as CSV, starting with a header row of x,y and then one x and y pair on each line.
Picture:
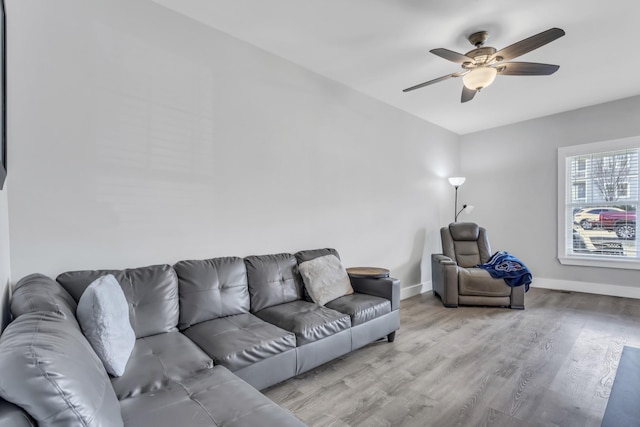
x,y
457,181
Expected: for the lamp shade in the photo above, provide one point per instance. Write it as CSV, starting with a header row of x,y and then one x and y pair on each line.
x,y
479,78
457,181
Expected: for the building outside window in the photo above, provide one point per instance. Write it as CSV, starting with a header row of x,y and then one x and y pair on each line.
x,y
598,201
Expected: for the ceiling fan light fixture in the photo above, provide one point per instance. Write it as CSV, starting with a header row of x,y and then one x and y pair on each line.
x,y
479,78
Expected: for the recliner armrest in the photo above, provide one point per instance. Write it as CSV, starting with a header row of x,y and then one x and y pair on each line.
x,y
444,279
442,259
386,287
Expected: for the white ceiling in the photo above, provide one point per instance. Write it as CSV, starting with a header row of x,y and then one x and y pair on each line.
x,y
379,47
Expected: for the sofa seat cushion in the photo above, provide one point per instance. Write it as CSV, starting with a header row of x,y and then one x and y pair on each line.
x,y
310,322
240,340
215,397
158,359
361,307
478,282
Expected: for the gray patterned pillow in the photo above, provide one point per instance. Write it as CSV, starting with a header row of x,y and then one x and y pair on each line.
x,y
325,279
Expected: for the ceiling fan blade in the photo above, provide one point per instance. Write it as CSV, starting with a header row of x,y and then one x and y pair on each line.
x,y
452,56
528,44
430,82
467,94
526,69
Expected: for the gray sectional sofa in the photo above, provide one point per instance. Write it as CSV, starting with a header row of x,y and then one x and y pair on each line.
x,y
208,334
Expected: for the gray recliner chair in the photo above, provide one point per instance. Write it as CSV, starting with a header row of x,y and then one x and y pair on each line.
x,y
457,280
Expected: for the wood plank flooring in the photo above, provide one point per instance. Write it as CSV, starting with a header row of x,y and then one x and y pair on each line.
x,y
552,364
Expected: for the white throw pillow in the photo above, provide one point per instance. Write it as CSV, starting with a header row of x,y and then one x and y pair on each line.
x,y
325,279
103,314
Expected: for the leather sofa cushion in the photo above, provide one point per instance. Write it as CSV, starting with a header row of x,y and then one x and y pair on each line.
x,y
215,397
240,340
310,322
157,360
14,416
37,292
273,280
42,357
360,307
211,288
478,282
152,293
310,254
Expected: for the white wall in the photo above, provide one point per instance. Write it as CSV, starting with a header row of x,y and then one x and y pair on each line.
x,y
512,181
141,137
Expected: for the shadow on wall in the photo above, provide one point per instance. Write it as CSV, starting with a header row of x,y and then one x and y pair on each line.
x,y
5,313
409,273
432,245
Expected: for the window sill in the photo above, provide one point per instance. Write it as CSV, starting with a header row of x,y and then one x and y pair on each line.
x,y
601,261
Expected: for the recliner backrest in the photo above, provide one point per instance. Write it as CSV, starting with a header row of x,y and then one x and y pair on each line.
x,y
466,243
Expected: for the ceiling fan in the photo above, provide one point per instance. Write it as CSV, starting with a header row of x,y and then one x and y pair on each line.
x,y
482,64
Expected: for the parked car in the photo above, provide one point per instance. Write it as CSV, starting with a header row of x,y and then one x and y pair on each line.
x,y
588,217
623,223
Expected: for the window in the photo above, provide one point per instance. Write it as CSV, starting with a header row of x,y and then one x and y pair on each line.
x,y
618,190
581,168
579,191
597,203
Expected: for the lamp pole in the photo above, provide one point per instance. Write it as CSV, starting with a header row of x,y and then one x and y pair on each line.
x,y
456,181
455,205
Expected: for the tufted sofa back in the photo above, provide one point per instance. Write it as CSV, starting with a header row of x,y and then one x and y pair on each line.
x,y
211,288
273,280
152,294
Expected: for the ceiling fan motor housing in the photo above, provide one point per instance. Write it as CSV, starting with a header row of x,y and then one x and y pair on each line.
x,y
480,55
478,38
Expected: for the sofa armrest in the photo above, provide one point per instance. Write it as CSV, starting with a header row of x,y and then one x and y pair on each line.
x,y
14,416
386,287
444,279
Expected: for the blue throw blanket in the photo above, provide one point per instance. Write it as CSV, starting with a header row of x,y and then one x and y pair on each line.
x,y
503,265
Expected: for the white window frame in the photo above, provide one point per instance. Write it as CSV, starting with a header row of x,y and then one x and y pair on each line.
x,y
565,190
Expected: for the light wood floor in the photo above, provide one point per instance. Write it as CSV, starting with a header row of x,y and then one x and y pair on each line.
x,y
552,364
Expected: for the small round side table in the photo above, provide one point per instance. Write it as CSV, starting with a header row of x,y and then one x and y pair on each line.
x,y
368,272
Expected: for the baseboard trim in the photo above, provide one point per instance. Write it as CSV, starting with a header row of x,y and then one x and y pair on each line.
x,y
413,290
587,287
544,283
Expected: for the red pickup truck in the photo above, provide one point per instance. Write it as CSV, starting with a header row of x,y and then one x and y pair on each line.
x,y
623,223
